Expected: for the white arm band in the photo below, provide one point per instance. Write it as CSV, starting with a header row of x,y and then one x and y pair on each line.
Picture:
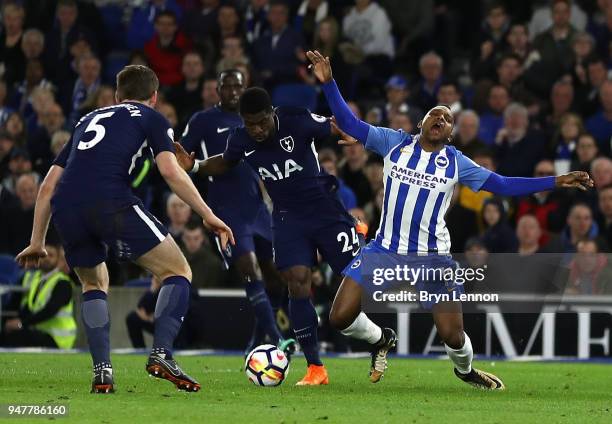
x,y
196,167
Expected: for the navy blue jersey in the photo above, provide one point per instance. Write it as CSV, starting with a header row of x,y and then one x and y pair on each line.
x,y
206,134
103,151
287,162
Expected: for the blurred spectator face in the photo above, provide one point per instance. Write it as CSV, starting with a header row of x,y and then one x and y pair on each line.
x,y
53,118
32,43
50,262
232,48
448,95
486,161
34,72
26,190
42,98
397,96
516,123
177,210
509,70
362,4
518,38
582,45
329,166
476,254
431,67
580,220
106,96
401,121
491,214
166,27
258,4
496,18
586,148
15,125
193,239
278,16
58,141
228,19
601,172
66,16
354,108
6,145
12,18
80,48
561,97
605,202
597,73
605,94
210,96
544,168
498,99
326,34
561,14
20,165
570,127
193,67
586,258
467,126
168,111
528,230
354,153
89,70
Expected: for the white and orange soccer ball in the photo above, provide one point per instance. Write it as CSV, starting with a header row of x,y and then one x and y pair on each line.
x,y
266,365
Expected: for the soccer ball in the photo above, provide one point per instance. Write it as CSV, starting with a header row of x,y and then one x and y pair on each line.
x,y
266,365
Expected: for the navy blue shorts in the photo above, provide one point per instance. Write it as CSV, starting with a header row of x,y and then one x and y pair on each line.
x,y
374,270
89,231
252,233
327,228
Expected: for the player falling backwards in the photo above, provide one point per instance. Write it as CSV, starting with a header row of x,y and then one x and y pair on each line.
x,y
206,133
308,216
87,190
420,174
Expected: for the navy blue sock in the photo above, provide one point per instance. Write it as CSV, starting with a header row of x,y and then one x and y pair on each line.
x,y
170,310
256,293
94,312
304,321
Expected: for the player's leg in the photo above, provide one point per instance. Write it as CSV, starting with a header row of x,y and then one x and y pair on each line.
x,y
96,320
448,319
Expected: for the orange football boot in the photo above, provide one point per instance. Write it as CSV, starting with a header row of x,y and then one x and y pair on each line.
x,y
316,375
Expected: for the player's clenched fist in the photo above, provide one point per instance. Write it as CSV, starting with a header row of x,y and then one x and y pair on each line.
x,y
30,256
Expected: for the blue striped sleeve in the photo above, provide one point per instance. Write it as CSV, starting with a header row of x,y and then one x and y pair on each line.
x,y
470,173
383,140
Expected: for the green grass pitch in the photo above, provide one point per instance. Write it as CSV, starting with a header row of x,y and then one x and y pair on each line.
x,y
413,391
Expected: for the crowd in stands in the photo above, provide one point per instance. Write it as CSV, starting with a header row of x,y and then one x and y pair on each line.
x,y
529,84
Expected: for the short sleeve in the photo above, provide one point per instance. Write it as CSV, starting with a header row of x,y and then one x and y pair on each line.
x,y
191,137
234,150
383,140
62,158
470,173
159,134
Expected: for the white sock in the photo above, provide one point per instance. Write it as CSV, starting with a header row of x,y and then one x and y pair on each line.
x,y
462,358
363,329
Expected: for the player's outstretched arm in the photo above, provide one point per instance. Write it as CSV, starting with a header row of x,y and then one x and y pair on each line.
x,y
345,118
181,184
214,165
517,186
31,255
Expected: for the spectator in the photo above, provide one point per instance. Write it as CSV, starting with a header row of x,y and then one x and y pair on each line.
x,y
528,234
583,46
142,21
142,319
373,211
206,267
600,124
462,223
563,146
232,53
492,120
580,226
373,171
588,93
601,171
590,271
18,165
352,172
402,121
34,77
309,16
88,69
466,136
210,95
367,26
601,28
474,201
39,142
41,98
450,95
586,152
278,53
103,96
16,222
201,24
492,40
544,16
7,144
16,128
178,213
169,112
605,212
498,236
228,25
11,55
33,44
327,41
398,93
328,161
186,97
166,49
518,43
426,91
561,100
5,110
517,148
58,141
256,18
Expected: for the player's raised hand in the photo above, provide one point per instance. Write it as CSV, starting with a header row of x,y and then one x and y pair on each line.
x,y
214,224
576,179
30,256
320,66
345,139
184,159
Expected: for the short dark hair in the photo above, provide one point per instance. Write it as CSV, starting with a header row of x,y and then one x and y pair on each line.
x,y
227,72
255,100
136,82
168,13
508,56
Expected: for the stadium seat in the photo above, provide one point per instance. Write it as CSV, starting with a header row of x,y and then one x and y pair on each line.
x,y
138,282
300,95
10,272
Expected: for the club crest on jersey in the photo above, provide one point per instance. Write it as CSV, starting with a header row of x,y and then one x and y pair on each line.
x,y
287,144
441,162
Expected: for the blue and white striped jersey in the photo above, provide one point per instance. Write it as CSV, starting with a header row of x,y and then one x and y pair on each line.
x,y
418,190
